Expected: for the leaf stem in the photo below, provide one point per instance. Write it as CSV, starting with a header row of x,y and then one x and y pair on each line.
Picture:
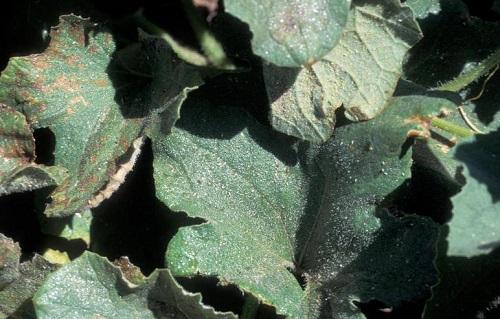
x,y
467,121
451,128
187,54
471,75
209,44
250,307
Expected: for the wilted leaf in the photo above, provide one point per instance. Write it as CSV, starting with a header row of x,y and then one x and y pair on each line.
x,y
475,226
95,100
18,172
317,212
292,33
92,287
360,73
18,282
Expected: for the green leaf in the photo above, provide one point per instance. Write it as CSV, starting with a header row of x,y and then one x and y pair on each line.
x,y
317,211
92,287
72,227
18,172
292,33
18,282
360,73
475,226
96,101
422,8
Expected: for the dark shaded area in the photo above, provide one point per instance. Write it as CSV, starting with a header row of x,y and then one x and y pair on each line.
x,y
27,308
487,106
469,287
244,89
451,39
133,222
429,190
482,9
24,25
221,296
19,221
45,143
23,22
299,276
378,310
425,194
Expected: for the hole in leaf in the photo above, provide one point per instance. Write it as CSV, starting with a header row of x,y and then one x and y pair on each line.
x,y
45,143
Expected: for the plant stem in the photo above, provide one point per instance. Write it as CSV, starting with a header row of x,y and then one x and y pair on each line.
x,y
187,54
451,128
471,75
209,44
250,307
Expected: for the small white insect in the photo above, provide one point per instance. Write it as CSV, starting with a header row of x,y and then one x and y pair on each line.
x,y
45,33
118,178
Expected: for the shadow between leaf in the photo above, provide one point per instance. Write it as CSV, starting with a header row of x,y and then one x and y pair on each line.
x,y
134,223
469,287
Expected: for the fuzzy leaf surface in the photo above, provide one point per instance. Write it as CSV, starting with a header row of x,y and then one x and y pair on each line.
x,y
476,209
92,287
292,33
360,73
316,210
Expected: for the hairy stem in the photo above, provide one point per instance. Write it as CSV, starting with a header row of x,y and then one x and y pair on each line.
x,y
471,75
